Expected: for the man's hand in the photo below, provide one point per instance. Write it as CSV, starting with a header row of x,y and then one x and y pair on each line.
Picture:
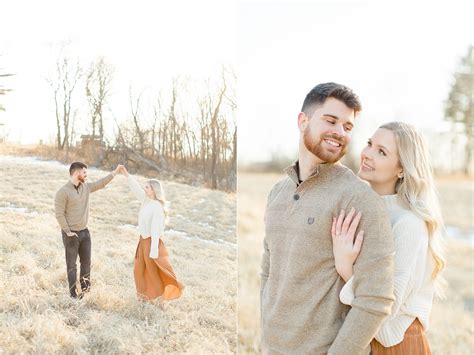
x,y
117,170
72,235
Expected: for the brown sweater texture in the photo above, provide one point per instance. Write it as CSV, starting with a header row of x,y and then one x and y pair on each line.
x,y
71,205
300,308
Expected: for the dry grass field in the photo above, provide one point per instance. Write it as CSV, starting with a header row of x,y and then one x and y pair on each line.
x,y
452,319
38,317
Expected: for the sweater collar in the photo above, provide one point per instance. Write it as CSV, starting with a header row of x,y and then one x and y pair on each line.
x,y
74,186
392,203
321,171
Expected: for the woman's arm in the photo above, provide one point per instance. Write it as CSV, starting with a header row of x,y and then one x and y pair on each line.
x,y
157,230
410,234
137,190
411,243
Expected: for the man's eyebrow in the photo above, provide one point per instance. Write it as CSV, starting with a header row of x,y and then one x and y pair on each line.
x,y
330,115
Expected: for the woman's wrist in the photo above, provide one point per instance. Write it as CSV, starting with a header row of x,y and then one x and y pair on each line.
x,y
345,272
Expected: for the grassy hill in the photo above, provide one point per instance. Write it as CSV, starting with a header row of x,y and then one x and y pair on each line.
x,y
36,313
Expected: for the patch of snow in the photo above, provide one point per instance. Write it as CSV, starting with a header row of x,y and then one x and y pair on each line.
x,y
456,233
12,208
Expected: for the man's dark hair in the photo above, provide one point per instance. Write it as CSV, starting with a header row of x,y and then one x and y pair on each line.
x,y
319,94
77,165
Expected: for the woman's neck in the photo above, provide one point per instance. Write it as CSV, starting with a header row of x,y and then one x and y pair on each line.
x,y
383,189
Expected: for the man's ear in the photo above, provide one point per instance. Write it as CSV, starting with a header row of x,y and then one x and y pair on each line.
x,y
302,121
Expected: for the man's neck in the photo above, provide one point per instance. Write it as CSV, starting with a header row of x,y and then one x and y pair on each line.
x,y
75,181
307,164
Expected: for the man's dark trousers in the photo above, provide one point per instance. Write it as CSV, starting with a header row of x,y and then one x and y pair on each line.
x,y
80,245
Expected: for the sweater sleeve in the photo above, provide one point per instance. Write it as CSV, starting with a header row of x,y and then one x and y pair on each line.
x,y
346,295
157,229
100,184
410,234
372,279
265,268
137,190
60,202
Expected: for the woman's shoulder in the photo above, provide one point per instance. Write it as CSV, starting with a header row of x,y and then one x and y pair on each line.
x,y
407,225
405,216
156,205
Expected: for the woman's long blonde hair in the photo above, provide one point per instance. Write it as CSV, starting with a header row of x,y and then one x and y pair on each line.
x,y
416,189
159,194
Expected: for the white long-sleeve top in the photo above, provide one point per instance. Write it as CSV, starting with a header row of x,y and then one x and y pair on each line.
x,y
413,285
151,218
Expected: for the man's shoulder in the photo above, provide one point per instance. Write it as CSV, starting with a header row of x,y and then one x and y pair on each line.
x,y
280,184
278,187
358,188
63,189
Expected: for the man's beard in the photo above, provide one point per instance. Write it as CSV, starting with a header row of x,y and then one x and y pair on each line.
x,y
81,179
322,153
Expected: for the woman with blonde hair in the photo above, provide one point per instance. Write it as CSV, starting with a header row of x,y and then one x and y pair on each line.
x,y
153,273
396,164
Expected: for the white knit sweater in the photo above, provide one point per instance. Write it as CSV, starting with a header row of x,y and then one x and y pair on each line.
x,y
151,218
412,282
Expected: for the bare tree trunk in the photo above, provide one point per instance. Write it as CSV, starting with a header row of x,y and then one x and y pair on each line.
x,y
135,115
215,137
63,85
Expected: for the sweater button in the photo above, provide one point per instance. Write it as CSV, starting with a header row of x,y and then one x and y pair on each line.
x,y
296,197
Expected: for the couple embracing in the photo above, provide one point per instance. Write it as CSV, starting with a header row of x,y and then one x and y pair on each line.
x,y
154,276
350,262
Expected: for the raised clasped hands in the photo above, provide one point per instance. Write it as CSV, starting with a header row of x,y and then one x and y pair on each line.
x,y
120,169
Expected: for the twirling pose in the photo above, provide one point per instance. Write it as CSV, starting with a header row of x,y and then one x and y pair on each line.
x,y
154,275
396,164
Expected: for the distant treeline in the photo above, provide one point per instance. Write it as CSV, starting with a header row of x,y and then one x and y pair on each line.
x,y
194,137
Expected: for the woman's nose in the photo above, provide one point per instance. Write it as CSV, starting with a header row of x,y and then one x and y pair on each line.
x,y
366,153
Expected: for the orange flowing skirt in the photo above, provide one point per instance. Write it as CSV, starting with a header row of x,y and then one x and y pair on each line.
x,y
155,277
414,343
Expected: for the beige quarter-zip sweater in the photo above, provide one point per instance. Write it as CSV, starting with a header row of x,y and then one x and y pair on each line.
x,y
71,204
301,311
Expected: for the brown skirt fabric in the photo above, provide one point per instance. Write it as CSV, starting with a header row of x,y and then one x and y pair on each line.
x,y
414,343
155,277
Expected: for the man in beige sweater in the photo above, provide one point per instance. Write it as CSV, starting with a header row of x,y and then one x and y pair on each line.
x,y
301,311
71,206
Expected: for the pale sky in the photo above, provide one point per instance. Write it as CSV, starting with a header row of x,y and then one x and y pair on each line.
x,y
398,56
149,43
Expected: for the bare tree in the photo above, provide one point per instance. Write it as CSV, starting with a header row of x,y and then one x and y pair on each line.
x,y
459,107
68,73
3,89
98,86
135,110
156,119
199,141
